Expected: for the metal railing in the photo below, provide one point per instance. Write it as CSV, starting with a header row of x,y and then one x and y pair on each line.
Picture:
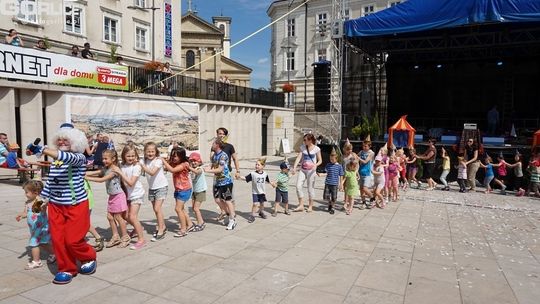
x,y
161,83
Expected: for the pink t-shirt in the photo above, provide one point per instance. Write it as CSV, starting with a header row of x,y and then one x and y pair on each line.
x,y
182,180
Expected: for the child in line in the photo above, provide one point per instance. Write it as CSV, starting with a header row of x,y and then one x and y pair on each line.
x,y
534,169
334,178
36,217
490,175
130,172
402,161
282,189
117,203
98,239
198,180
350,183
501,173
393,178
152,166
178,165
518,174
378,173
258,178
445,169
462,174
412,167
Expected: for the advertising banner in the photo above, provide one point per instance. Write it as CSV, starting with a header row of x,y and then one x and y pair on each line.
x,y
35,65
168,27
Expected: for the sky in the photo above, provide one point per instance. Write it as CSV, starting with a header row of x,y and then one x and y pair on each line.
x,y
247,17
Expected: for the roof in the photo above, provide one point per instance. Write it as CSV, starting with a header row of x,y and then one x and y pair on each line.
x,y
208,27
402,125
236,64
422,15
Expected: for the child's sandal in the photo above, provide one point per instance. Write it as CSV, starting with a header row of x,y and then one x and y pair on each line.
x,y
124,241
99,245
113,242
33,265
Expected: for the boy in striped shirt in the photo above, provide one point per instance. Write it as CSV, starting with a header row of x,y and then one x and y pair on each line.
x,y
282,189
334,176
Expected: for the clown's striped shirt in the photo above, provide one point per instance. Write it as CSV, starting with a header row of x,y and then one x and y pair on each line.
x,y
57,188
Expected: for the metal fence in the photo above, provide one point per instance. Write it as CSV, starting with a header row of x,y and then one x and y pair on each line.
x,y
160,83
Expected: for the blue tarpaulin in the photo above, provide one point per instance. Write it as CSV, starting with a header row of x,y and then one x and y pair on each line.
x,y
422,15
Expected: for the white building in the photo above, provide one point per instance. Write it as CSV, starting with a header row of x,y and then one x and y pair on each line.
x,y
291,58
105,24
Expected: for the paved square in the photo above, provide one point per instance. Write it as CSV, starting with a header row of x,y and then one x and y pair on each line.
x,y
430,247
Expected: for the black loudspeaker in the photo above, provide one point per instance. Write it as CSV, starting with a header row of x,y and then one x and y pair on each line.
x,y
321,79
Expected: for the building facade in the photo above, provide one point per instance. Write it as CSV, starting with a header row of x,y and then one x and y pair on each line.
x,y
122,25
200,41
304,37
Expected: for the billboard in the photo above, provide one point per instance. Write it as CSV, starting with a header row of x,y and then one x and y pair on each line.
x,y
36,65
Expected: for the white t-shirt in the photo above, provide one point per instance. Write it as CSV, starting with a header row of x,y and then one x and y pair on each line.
x,y
309,158
158,180
379,179
137,191
258,181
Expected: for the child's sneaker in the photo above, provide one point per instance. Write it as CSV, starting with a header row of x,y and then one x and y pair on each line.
x,y
330,210
232,224
138,245
251,219
51,259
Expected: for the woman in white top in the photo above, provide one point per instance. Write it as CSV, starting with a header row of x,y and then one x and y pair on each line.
x,y
309,159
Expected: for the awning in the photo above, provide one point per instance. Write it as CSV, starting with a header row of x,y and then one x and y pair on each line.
x,y
422,15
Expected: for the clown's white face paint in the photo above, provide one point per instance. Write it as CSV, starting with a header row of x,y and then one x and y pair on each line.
x,y
63,144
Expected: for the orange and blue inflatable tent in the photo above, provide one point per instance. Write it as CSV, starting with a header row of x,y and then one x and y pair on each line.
x,y
401,134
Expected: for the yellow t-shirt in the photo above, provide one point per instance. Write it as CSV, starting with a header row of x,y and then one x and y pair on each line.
x,y
446,163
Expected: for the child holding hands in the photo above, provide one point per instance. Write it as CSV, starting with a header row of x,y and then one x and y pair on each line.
x,y
36,217
258,178
282,189
334,179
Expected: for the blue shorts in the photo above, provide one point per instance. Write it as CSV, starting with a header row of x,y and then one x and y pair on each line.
x,y
183,195
258,198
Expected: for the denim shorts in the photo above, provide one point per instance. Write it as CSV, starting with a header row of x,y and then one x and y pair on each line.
x,y
282,196
258,198
183,195
157,194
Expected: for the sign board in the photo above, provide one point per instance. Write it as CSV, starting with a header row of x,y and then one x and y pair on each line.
x,y
168,28
36,65
285,148
469,126
278,122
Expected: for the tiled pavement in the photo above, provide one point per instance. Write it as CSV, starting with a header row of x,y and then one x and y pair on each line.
x,y
430,247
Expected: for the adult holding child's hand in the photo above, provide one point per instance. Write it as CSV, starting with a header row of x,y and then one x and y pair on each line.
x,y
309,158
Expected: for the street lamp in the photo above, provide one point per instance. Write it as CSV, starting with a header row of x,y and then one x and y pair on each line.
x,y
153,8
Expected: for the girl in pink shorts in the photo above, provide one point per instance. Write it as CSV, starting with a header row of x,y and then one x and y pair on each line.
x,y
117,204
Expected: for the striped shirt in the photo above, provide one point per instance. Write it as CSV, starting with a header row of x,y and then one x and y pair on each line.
x,y
283,181
57,188
333,173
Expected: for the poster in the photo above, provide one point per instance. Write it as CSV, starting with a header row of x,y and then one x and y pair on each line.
x,y
36,65
168,27
140,121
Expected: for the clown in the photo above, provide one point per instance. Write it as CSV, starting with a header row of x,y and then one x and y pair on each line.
x,y
69,217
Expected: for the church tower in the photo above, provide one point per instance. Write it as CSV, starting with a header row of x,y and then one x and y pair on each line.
x,y
224,24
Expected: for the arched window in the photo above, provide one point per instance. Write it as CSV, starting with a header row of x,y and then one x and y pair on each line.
x,y
190,58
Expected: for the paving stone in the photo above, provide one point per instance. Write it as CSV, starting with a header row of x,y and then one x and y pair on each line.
x,y
183,294
216,280
386,270
18,282
116,294
364,295
193,263
322,242
302,295
127,267
332,277
80,287
298,260
250,260
17,300
156,280
226,246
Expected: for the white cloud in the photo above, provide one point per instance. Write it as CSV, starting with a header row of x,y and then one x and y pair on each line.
x,y
262,60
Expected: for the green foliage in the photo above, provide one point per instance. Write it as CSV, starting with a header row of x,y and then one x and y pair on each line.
x,y
367,127
112,58
47,42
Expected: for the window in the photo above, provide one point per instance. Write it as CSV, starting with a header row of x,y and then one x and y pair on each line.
x,y
291,27
290,61
368,10
394,3
140,3
347,14
321,22
141,37
28,10
111,30
222,27
321,54
190,58
73,18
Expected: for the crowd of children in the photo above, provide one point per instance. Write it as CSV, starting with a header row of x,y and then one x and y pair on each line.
x,y
375,178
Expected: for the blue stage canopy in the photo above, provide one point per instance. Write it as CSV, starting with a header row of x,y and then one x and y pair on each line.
x,y
422,15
